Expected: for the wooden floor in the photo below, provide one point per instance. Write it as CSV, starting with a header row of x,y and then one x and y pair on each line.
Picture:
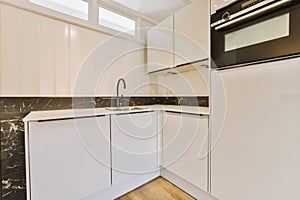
x,y
158,189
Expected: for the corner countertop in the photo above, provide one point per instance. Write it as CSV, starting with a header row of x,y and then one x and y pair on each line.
x,y
77,113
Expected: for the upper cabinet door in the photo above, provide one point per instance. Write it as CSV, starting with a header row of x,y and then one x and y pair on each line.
x,y
160,46
191,33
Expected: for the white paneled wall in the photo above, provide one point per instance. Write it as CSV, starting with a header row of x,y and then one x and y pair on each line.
x,y
44,56
54,60
112,59
10,50
82,42
0,53
29,51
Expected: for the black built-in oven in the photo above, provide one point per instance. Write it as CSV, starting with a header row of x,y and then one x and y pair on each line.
x,y
254,31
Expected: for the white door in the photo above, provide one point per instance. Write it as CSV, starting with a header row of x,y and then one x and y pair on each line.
x,y
69,159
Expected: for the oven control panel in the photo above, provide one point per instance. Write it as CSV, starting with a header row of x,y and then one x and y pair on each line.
x,y
250,3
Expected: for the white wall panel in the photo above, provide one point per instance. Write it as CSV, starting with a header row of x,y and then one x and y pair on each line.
x,y
62,55
54,57
47,58
0,50
30,53
10,49
44,56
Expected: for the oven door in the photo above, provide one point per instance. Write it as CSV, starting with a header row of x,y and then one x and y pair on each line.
x,y
268,36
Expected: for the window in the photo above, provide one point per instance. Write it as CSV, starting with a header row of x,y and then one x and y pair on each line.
x,y
93,14
75,8
116,21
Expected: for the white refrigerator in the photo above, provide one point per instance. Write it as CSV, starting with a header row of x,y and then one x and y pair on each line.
x,y
255,132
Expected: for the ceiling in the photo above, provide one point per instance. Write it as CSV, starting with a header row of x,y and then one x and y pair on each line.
x,y
156,10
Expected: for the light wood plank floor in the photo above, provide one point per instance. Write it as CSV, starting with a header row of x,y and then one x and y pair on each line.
x,y
158,189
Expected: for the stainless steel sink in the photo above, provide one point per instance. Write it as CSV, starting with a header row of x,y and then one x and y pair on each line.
x,y
124,108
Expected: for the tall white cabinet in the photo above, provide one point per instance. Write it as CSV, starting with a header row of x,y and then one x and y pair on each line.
x,y
68,159
255,151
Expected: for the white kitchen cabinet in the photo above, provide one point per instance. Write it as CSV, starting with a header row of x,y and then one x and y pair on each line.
x,y
182,38
68,158
191,33
255,132
134,146
160,46
183,138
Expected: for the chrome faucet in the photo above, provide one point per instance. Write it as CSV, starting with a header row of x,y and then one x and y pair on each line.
x,y
118,97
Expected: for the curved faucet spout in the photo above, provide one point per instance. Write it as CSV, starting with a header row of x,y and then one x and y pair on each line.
x,y
124,86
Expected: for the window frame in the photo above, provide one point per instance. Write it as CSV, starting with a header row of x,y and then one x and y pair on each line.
x,y
93,18
60,9
136,21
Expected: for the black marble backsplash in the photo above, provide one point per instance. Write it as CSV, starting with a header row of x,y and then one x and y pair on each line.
x,y
13,109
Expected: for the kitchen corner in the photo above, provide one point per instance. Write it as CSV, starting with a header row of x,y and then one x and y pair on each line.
x,y
12,128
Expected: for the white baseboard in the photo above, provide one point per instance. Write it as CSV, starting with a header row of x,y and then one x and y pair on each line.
x,y
186,186
122,188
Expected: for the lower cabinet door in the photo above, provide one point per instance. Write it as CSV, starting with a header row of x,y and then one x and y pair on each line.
x,y
69,159
183,143
134,146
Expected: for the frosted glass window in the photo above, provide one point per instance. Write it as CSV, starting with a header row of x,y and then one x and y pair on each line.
x,y
75,8
275,28
116,21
